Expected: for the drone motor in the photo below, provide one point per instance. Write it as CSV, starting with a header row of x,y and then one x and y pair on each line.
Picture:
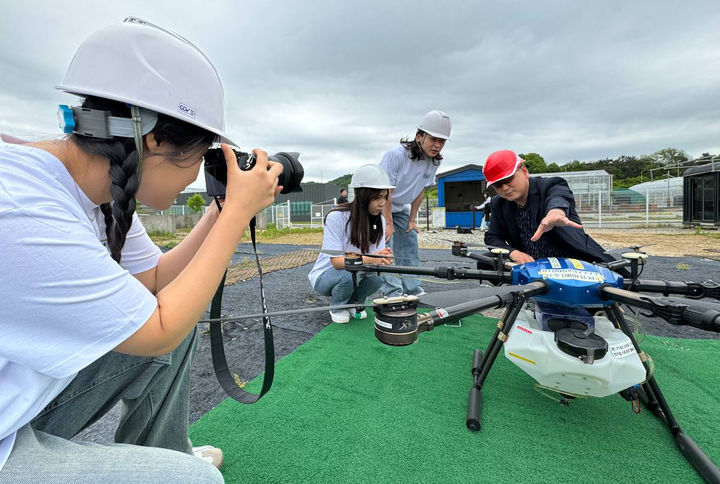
x,y
396,320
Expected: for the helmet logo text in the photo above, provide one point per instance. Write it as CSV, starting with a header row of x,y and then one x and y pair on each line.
x,y
187,110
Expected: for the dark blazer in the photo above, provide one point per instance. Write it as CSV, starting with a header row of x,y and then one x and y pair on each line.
x,y
544,194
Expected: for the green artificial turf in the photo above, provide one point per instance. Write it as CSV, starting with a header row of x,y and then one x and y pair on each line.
x,y
346,408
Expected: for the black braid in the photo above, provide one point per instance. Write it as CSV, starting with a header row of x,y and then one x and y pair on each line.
x,y
106,210
124,184
123,169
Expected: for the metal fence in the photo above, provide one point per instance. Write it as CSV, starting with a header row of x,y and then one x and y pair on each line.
x,y
631,209
620,208
616,209
318,211
279,214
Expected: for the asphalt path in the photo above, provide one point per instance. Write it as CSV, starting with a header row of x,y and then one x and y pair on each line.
x,y
290,289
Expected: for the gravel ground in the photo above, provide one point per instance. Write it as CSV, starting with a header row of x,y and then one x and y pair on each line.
x,y
290,289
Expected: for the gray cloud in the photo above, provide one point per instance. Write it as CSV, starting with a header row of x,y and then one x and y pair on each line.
x,y
343,82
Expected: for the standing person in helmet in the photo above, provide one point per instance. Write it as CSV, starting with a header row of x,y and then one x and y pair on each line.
x,y
355,227
411,167
534,217
93,312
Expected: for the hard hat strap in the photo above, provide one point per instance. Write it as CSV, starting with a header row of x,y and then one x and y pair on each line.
x,y
97,123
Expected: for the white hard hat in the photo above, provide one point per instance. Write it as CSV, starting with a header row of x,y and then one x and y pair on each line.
x,y
437,124
370,176
141,64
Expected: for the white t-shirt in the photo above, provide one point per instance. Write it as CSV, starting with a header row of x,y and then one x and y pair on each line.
x,y
408,176
65,301
336,236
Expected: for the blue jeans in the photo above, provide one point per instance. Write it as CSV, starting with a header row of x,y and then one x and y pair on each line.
x,y
405,250
154,420
337,283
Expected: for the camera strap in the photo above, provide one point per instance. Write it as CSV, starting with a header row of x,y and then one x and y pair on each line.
x,y
224,376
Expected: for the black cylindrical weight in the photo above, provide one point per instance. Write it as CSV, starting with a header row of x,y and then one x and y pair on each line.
x,y
474,413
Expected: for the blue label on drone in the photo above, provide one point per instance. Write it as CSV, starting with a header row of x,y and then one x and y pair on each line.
x,y
570,282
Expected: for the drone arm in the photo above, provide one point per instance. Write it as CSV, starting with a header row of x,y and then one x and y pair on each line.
x,y
673,310
617,264
695,290
491,261
439,272
707,319
453,313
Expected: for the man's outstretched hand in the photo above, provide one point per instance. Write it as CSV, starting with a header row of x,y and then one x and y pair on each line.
x,y
554,218
520,257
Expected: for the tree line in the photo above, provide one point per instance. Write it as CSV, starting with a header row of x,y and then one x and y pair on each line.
x,y
626,170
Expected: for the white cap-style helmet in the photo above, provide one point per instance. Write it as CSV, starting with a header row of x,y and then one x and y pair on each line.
x,y
437,124
141,64
370,176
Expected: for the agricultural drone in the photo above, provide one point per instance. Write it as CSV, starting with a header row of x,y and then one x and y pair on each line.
x,y
563,325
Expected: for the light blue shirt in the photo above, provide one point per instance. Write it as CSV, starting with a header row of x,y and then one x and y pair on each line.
x,y
410,177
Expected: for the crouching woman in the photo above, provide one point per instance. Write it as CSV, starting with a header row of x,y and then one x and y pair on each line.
x,y
359,227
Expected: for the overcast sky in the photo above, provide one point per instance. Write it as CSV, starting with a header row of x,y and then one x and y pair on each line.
x,y
342,81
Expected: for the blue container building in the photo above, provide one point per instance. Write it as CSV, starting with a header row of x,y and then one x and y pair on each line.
x,y
460,190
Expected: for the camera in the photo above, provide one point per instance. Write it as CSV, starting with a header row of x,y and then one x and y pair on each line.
x,y
216,170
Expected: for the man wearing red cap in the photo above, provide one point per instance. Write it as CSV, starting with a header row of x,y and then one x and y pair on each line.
x,y
534,217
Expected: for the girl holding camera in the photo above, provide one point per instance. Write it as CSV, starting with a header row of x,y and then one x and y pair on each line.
x,y
359,227
93,313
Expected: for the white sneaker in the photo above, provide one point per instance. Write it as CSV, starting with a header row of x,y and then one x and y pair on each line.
x,y
361,315
340,316
209,454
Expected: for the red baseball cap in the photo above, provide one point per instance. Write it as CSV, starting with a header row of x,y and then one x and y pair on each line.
x,y
501,164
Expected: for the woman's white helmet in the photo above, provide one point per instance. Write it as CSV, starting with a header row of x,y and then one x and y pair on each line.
x,y
370,176
437,124
141,64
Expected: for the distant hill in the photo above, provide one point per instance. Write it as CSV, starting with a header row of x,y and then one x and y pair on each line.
x,y
342,181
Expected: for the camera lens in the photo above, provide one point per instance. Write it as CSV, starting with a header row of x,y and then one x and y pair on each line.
x,y
216,170
292,173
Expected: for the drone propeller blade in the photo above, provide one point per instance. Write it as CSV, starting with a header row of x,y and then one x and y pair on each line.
x,y
474,244
466,244
451,298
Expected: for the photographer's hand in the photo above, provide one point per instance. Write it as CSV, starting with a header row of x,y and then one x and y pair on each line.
x,y
252,190
182,300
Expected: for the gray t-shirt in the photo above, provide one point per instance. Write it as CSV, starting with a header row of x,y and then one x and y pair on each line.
x,y
408,176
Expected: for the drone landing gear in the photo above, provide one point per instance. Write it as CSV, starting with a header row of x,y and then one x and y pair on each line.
x,y
649,393
483,362
652,397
